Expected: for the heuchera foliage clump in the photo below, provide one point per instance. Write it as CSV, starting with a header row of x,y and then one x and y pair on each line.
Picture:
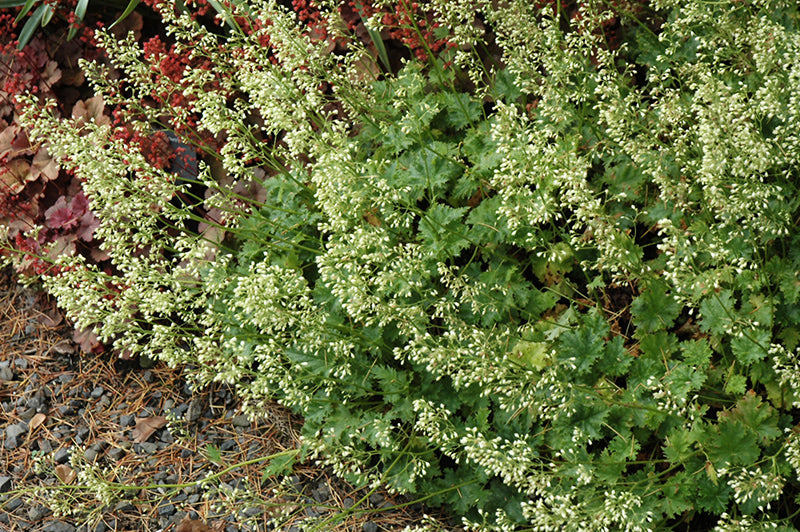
x,y
548,278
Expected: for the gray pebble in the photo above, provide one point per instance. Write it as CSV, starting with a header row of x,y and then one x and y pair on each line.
x,y
321,494
127,420
124,506
21,363
13,432
149,411
58,526
149,447
252,511
27,414
61,456
34,402
5,484
37,513
91,455
194,411
96,392
241,421
6,374
116,454
166,510
369,526
177,517
13,504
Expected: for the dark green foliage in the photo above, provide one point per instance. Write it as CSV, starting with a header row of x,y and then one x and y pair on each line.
x,y
462,350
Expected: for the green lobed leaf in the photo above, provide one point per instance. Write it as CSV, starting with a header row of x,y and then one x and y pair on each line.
x,y
213,453
441,230
582,346
729,444
679,446
279,465
761,418
752,346
654,309
717,312
461,110
696,353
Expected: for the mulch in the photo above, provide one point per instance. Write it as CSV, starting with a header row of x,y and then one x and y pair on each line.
x,y
64,412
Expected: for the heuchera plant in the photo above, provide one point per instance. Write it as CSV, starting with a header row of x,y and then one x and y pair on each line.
x,y
551,282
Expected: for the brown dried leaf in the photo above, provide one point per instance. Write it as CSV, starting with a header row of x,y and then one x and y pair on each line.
x,y
7,136
90,110
192,525
72,76
44,165
99,255
87,339
15,177
51,74
371,219
146,426
65,473
64,347
36,421
50,318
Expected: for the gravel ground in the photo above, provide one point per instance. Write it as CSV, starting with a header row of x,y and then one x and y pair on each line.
x,y
68,418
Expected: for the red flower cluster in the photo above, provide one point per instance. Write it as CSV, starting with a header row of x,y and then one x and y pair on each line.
x,y
155,148
408,23
414,28
163,61
168,66
13,207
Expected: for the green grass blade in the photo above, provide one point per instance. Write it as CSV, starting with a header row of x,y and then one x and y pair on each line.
x,y
80,9
225,14
378,42
128,10
30,26
375,37
80,12
26,7
47,15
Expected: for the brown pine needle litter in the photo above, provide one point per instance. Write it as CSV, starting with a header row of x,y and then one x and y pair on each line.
x,y
71,418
